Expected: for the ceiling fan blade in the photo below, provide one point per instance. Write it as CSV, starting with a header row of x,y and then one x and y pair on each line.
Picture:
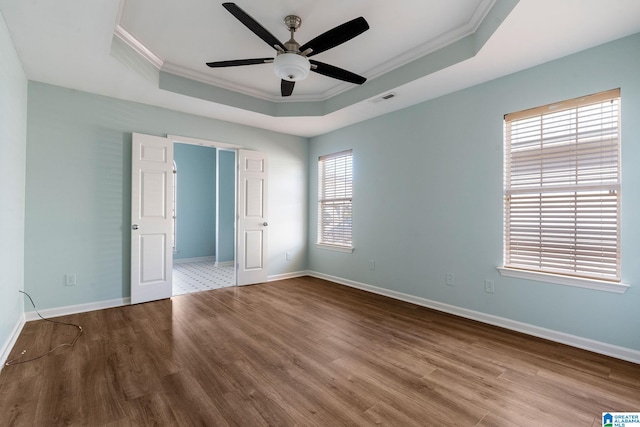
x,y
253,25
336,36
336,73
286,87
237,62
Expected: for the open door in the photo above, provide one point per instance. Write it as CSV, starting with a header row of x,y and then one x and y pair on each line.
x,y
251,257
151,222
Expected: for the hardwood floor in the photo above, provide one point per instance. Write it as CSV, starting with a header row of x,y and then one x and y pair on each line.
x,y
303,352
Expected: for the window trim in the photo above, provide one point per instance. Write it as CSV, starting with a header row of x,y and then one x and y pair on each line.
x,y
558,279
346,249
608,285
323,244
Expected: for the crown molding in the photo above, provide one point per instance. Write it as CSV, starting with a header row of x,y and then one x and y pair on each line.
x,y
468,28
444,40
202,77
137,46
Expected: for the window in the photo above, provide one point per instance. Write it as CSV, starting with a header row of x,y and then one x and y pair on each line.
x,y
335,183
562,188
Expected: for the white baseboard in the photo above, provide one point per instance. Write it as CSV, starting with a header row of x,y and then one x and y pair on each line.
x,y
618,352
225,263
8,345
284,276
199,259
79,308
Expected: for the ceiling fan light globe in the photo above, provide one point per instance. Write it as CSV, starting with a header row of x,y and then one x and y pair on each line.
x,y
291,67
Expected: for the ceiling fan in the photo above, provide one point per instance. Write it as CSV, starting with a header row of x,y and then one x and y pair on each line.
x,y
291,63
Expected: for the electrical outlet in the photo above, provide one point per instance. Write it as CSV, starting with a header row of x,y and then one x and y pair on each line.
x,y
69,279
449,279
488,286
372,264
288,256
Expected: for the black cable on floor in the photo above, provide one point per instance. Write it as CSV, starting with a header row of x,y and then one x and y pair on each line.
x,y
18,362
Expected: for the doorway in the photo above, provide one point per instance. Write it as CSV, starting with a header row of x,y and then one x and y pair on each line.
x,y
204,218
152,220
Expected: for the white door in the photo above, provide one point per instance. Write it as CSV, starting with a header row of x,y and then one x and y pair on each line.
x,y
251,258
151,218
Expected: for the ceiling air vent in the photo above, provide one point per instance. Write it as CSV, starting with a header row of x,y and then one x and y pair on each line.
x,y
385,97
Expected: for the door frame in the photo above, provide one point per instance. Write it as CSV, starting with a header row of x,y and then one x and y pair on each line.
x,y
220,146
177,139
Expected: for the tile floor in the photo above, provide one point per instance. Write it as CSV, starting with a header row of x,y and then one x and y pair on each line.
x,y
200,276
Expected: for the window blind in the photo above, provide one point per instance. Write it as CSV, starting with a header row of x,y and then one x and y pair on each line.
x,y
335,188
562,188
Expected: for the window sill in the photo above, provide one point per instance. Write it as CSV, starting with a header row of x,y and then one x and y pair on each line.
x,y
334,248
599,285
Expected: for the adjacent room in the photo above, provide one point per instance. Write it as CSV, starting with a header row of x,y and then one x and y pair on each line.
x,y
303,213
203,234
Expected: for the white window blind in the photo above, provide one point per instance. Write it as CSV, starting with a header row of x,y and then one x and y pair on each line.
x,y
335,188
562,188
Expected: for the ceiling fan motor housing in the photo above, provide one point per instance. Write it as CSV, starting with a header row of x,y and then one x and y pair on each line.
x,y
291,66
292,22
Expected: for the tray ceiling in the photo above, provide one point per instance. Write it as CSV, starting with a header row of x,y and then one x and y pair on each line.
x,y
153,51
186,34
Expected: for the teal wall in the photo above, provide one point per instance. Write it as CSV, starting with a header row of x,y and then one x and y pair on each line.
x,y
226,202
78,190
428,198
196,208
13,140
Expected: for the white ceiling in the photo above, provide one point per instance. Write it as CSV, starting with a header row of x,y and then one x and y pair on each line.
x,y
69,43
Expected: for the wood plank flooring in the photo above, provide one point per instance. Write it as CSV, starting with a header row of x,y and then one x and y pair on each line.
x,y
303,352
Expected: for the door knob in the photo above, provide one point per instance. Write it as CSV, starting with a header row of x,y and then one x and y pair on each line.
x,y
265,223
134,227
